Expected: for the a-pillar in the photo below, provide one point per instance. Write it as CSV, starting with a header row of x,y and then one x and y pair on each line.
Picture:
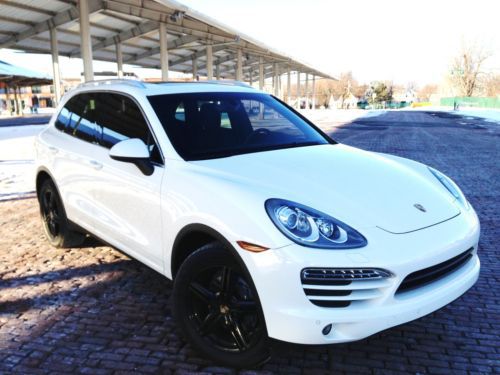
x,y
85,41
56,73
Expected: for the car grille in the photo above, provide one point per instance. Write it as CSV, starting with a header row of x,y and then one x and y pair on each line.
x,y
428,275
339,287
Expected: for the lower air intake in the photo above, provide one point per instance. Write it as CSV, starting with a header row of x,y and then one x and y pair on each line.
x,y
428,275
339,287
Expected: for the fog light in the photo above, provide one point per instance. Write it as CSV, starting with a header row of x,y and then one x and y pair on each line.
x,y
327,329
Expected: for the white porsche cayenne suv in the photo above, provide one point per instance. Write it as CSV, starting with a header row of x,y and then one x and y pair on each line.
x,y
267,227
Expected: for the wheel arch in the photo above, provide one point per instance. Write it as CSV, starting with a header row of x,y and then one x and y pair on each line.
x,y
192,237
43,174
181,250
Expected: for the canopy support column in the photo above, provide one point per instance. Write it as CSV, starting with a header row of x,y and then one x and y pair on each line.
x,y
307,90
261,73
163,51
298,89
195,69
7,98
119,60
85,41
239,65
314,92
56,73
276,87
16,100
210,62
288,86
217,72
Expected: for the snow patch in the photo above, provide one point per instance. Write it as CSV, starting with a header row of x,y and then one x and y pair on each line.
x,y
17,168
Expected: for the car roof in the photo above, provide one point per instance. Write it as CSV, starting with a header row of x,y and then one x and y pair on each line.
x,y
161,88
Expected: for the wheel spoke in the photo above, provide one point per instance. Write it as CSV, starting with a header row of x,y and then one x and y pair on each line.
x,y
226,279
235,330
45,203
209,323
52,227
52,202
201,292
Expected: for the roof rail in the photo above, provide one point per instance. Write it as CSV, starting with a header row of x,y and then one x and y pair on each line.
x,y
228,83
213,82
131,82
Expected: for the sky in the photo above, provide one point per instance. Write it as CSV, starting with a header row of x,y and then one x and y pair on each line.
x,y
393,40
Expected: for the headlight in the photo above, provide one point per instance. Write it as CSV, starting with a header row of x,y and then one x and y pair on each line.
x,y
451,187
312,228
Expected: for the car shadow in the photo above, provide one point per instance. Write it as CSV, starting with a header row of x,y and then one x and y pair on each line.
x,y
110,307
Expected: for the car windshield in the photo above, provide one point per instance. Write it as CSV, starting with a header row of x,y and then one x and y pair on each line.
x,y
213,125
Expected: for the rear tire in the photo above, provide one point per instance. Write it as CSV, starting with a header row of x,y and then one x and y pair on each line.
x,y
217,308
54,221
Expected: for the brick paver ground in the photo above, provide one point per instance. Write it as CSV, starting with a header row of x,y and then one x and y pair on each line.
x,y
93,310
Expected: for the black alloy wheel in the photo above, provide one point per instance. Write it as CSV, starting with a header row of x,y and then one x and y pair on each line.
x,y
218,309
50,212
55,223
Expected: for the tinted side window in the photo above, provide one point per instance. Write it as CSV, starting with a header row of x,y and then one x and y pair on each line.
x,y
119,118
77,118
63,119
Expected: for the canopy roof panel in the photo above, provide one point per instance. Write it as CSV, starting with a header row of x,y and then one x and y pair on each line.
x,y
25,25
16,76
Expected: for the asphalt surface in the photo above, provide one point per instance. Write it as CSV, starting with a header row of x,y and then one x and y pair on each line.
x,y
93,310
25,120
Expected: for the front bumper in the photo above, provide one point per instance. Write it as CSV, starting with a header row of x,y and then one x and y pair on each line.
x,y
291,317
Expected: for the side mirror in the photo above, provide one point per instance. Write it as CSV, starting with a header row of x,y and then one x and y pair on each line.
x,y
133,151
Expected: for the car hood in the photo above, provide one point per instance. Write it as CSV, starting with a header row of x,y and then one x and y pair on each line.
x,y
358,187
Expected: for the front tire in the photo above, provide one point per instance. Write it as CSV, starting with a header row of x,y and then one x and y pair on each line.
x,y
55,223
217,308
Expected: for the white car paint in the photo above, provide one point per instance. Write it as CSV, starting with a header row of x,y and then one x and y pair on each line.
x,y
373,193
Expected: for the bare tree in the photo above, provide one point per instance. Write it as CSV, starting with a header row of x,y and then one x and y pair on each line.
x,y
467,67
426,92
492,85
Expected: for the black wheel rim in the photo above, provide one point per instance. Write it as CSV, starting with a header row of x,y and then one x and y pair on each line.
x,y
50,212
223,310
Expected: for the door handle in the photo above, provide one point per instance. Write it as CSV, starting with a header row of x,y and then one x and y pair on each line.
x,y
95,164
53,150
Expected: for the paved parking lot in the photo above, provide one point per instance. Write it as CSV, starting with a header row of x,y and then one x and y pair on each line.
x,y
93,310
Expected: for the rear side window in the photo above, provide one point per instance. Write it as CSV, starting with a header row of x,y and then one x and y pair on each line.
x,y
106,119
77,118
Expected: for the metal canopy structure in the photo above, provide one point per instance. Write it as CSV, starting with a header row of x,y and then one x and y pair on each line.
x,y
15,76
162,34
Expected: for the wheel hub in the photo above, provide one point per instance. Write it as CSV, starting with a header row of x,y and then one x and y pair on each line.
x,y
224,309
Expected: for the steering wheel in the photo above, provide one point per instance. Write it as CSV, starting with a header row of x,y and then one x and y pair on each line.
x,y
261,132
